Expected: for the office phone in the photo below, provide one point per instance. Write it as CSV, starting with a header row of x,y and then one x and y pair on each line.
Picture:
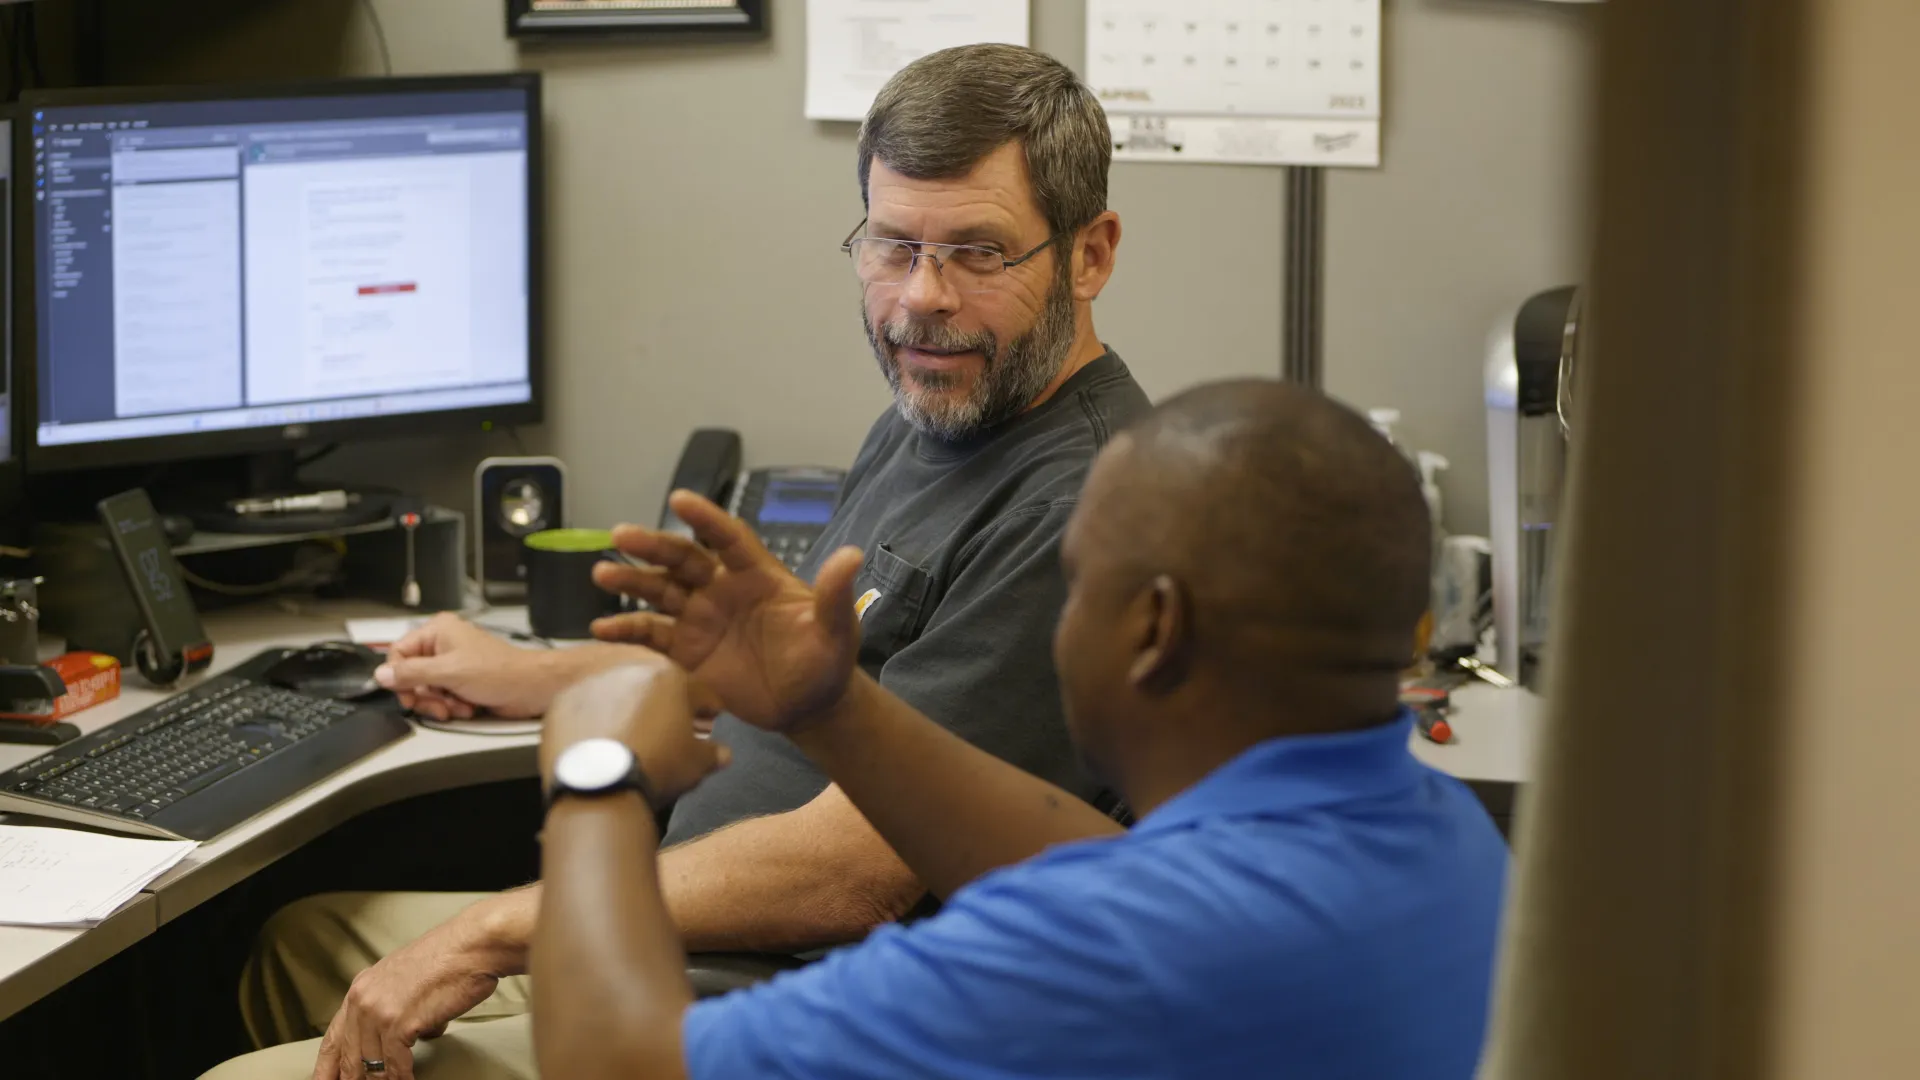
x,y
170,642
789,506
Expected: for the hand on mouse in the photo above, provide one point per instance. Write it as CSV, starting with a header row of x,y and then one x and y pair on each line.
x,y
452,669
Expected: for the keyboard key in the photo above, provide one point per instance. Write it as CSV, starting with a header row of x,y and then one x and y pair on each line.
x,y
209,778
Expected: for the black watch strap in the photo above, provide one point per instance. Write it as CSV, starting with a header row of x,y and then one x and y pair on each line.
x,y
635,780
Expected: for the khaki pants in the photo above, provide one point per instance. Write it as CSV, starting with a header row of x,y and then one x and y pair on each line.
x,y
306,959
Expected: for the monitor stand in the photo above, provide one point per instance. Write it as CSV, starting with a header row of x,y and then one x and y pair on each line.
x,y
201,491
276,475
273,472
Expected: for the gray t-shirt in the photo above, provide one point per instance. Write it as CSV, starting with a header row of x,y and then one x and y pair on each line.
x,y
962,561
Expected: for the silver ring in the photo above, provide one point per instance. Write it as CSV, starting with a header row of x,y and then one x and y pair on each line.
x,y
373,1067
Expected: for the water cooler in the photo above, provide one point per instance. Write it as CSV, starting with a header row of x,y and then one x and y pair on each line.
x,y
1527,466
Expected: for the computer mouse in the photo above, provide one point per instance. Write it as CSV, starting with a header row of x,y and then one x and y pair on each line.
x,y
340,670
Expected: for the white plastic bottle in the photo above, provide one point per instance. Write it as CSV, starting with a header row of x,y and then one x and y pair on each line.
x,y
1428,465
1431,465
1425,463
1383,421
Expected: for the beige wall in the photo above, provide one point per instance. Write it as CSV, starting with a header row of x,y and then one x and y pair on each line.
x,y
1481,203
695,213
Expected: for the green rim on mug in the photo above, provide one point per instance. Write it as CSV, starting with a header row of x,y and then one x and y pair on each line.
x,y
574,540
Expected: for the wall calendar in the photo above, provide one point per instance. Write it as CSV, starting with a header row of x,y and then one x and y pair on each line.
x,y
1267,82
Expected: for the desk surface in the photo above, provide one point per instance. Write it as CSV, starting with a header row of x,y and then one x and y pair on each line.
x,y
1495,733
34,961
1494,737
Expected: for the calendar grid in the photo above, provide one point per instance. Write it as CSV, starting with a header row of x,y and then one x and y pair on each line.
x,y
1262,81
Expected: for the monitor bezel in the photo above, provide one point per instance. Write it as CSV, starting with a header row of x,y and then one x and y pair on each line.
x,y
160,449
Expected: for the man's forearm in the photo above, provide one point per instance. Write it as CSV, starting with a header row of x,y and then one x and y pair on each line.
x,y
609,974
952,810
819,875
502,927
564,667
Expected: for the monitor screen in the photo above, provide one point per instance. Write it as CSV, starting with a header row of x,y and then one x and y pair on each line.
x,y
230,273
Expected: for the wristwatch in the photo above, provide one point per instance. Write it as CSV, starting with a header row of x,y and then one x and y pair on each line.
x,y
595,767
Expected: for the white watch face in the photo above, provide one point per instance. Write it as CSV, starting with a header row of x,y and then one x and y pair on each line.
x,y
592,765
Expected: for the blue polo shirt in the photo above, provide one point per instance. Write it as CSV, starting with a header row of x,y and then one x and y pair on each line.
x,y
1322,907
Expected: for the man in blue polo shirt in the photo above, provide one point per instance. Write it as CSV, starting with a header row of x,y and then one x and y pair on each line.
x,y
1299,898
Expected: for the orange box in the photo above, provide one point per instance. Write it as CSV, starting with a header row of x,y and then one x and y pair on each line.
x,y
91,678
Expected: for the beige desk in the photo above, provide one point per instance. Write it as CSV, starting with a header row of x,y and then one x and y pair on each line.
x,y
1495,733
35,962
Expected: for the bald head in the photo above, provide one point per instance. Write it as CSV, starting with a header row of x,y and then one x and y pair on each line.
x,y
1297,532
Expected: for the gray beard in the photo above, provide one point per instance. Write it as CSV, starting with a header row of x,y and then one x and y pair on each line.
x,y
1008,383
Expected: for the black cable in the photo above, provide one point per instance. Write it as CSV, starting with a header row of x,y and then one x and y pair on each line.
x,y
303,462
519,444
380,34
517,635
312,568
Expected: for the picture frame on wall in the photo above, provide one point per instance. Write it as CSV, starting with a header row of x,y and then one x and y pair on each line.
x,y
587,18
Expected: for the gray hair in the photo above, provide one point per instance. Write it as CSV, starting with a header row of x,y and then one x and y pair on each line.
x,y
944,113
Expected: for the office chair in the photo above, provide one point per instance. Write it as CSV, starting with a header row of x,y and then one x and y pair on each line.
x,y
714,974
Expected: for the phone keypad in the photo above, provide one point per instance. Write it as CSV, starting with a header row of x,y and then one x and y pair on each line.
x,y
790,546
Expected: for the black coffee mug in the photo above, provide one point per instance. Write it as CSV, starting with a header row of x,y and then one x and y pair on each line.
x,y
562,600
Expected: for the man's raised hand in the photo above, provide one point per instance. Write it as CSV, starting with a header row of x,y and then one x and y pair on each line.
x,y
777,651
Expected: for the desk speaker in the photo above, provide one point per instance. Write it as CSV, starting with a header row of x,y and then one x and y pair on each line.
x,y
513,497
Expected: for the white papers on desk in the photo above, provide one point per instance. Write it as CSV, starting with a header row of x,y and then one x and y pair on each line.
x,y
381,631
66,877
1259,82
855,46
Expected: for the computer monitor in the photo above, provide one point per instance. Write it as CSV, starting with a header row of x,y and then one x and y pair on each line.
x,y
225,272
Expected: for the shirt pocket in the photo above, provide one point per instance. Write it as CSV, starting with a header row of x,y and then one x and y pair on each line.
x,y
890,598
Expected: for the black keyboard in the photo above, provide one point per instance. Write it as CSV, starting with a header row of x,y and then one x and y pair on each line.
x,y
200,763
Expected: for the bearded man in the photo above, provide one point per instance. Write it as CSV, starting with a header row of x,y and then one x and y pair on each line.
x,y
986,242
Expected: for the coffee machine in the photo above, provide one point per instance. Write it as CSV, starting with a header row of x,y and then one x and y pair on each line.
x,y
1527,383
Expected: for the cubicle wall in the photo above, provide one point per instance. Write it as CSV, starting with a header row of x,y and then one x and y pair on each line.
x,y
695,218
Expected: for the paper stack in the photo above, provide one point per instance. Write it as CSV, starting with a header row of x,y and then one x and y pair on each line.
x,y
381,632
66,877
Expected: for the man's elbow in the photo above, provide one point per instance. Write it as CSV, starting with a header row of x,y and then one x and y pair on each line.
x,y
870,897
621,1061
642,1046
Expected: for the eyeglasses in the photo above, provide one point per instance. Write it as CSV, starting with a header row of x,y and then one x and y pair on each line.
x,y
879,260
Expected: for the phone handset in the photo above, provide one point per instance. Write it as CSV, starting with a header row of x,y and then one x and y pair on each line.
x,y
709,466
789,507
